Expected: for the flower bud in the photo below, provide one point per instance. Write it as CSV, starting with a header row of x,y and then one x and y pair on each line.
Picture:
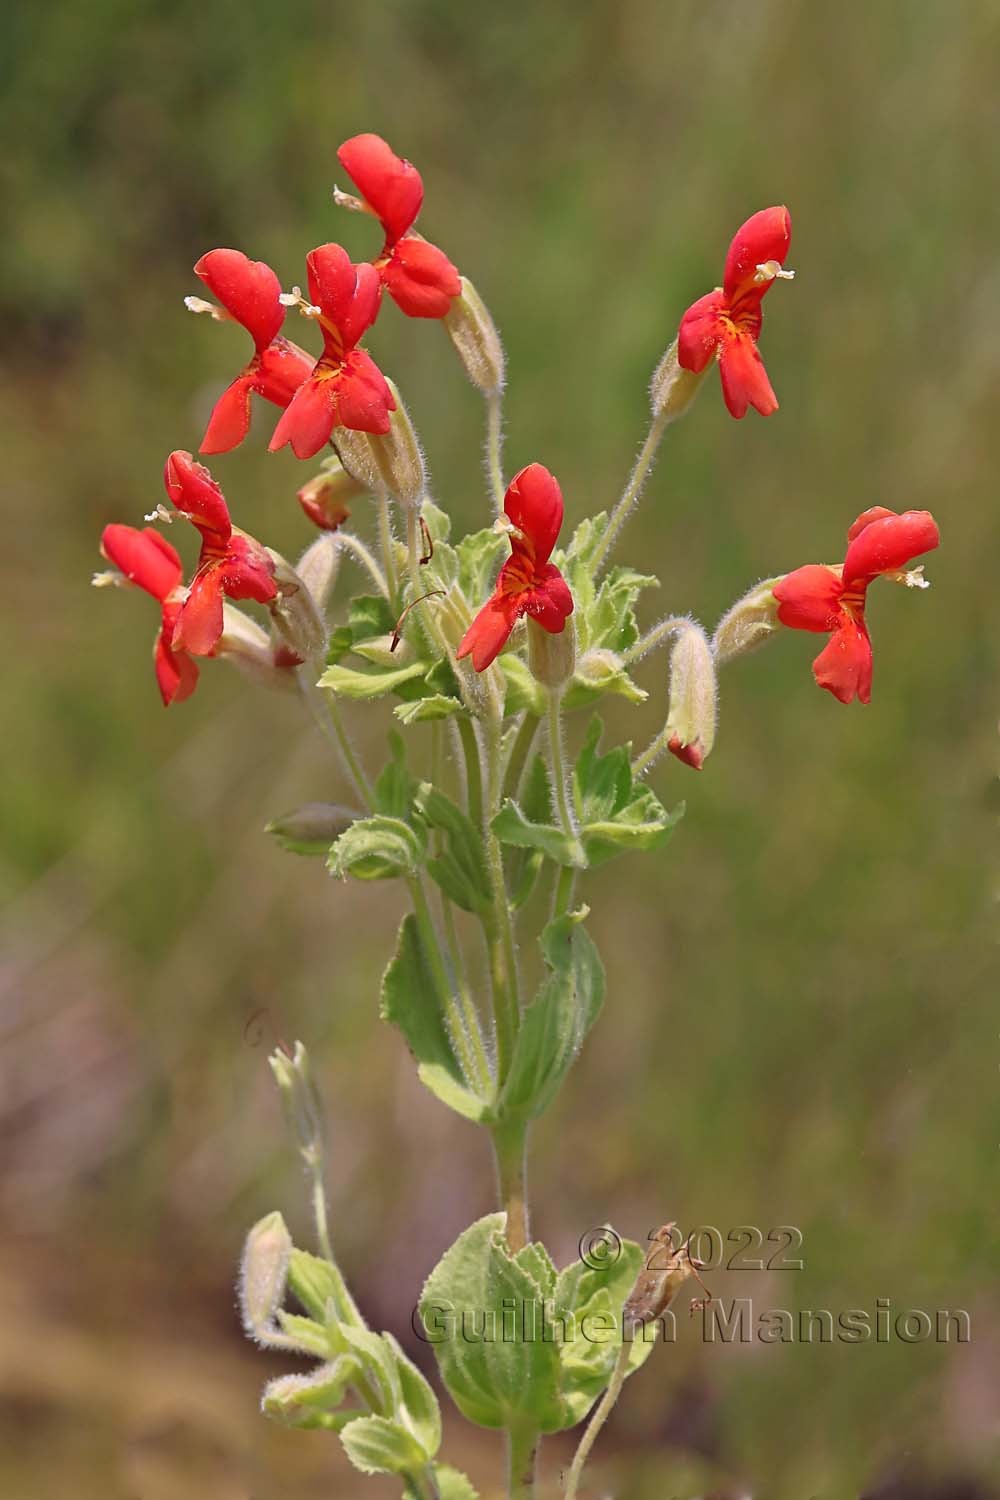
x,y
297,619
312,828
326,498
248,648
318,568
398,455
477,342
672,389
357,457
310,1400
552,658
299,1098
748,624
691,716
263,1277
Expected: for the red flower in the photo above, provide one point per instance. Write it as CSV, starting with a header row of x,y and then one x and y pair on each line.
x,y
346,388
418,276
231,563
250,291
149,561
727,322
528,583
833,599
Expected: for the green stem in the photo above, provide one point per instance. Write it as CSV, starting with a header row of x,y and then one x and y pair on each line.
x,y
597,1421
654,637
562,898
326,715
630,494
519,753
388,545
494,445
355,546
500,930
557,760
456,1020
510,1152
473,770
522,1456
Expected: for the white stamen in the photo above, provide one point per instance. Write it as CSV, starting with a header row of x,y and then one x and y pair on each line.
x,y
294,298
199,305
913,578
348,200
109,579
772,270
161,513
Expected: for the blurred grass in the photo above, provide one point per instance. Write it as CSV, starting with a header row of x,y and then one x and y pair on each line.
x,y
801,1025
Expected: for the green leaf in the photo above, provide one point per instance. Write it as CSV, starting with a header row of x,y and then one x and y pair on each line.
x,y
512,827
599,672
377,1446
523,692
460,867
377,848
479,557
536,1260
395,787
609,621
348,682
311,1400
320,1287
476,1295
554,1025
452,1484
437,521
616,813
536,805
410,1000
423,1415
311,1337
436,706
590,1300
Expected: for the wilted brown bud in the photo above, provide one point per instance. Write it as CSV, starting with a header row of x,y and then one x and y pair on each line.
x,y
477,342
327,497
312,828
297,619
672,389
661,1278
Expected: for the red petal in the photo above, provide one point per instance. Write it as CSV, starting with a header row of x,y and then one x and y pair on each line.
x,y
692,755
390,185
364,399
765,236
199,622
700,332
282,369
421,279
534,503
145,557
744,379
247,571
874,513
230,420
194,492
248,289
549,602
809,598
309,418
888,544
348,294
844,666
490,630
176,673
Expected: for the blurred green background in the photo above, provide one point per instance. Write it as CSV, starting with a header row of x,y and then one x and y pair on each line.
x,y
802,1025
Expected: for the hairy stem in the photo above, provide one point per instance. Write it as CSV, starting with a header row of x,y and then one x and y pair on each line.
x,y
597,1421
557,761
388,545
510,1151
326,714
494,447
632,490
457,1021
522,1457
500,929
660,632
519,754
352,544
